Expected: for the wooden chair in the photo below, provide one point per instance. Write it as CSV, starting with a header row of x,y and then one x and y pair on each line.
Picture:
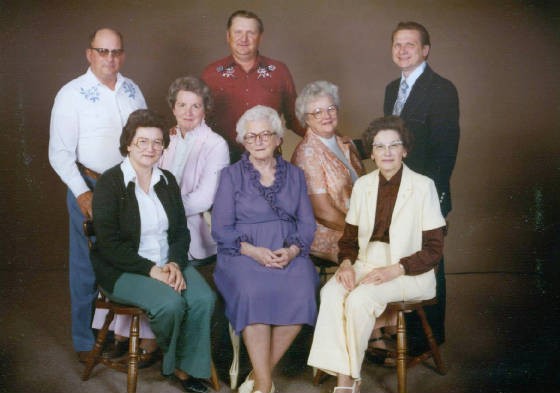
x,y
404,362
131,365
326,267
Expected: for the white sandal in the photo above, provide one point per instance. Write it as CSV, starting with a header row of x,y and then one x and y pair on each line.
x,y
249,383
355,388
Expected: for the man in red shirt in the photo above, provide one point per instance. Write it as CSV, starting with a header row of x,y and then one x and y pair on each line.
x,y
245,79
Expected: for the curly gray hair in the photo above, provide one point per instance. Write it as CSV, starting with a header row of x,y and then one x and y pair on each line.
x,y
259,112
311,92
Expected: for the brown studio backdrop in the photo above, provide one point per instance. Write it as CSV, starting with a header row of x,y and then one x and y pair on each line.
x,y
503,58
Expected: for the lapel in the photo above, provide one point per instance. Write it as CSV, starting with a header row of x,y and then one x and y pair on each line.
x,y
404,194
371,200
419,92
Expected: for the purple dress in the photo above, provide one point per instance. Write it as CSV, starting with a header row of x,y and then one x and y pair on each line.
x,y
273,217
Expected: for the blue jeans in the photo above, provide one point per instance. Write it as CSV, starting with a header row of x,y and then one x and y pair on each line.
x,y
83,289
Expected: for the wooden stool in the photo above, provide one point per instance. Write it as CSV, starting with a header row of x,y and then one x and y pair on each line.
x,y
402,361
406,307
131,366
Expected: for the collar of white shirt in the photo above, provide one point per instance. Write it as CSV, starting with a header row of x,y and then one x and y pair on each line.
x,y
129,174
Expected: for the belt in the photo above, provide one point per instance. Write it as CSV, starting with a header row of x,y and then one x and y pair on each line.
x,y
88,172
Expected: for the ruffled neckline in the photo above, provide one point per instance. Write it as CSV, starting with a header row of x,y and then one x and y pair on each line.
x,y
269,193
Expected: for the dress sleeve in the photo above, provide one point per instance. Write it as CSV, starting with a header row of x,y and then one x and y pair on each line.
x,y
224,232
305,219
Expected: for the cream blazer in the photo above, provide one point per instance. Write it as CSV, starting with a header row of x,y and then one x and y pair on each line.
x,y
417,209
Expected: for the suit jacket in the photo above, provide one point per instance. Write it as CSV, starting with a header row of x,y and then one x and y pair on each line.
x,y
416,210
209,155
116,219
431,113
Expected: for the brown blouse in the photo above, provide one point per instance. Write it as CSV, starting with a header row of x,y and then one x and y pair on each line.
x,y
419,262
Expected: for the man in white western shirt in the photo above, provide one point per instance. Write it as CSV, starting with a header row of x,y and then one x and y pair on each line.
x,y
86,123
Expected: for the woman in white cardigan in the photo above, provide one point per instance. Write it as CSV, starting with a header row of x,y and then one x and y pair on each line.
x,y
195,155
392,241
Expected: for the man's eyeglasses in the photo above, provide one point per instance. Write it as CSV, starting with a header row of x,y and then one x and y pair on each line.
x,y
263,137
104,52
381,147
318,112
145,143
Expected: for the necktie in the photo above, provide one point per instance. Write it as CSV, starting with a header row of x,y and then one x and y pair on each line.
x,y
401,98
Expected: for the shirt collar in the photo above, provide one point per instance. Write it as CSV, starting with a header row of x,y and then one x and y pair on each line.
x,y
93,79
259,62
129,174
394,181
414,75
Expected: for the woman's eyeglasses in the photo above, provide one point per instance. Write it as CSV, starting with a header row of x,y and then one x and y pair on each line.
x,y
318,112
381,147
145,143
263,137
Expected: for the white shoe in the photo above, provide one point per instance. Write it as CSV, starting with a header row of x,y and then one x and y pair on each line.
x,y
249,383
355,388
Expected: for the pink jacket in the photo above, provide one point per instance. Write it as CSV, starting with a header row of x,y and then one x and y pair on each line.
x,y
208,156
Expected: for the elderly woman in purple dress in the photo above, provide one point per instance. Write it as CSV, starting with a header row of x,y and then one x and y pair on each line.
x,y
263,223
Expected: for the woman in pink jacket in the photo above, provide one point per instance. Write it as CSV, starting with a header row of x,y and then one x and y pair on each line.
x,y
195,155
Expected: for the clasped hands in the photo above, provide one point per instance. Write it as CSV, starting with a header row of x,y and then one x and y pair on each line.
x,y
347,276
276,259
170,274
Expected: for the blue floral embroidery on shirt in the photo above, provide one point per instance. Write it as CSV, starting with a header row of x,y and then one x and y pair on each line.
x,y
91,94
129,89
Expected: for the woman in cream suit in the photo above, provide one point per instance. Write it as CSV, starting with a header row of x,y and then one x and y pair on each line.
x,y
392,241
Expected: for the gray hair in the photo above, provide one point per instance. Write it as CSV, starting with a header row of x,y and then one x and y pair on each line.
x,y
311,92
259,112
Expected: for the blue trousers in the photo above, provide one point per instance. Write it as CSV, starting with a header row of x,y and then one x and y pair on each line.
x,y
83,289
180,321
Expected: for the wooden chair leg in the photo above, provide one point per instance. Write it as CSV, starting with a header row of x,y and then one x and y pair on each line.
x,y
234,369
401,352
318,376
133,349
93,358
214,377
432,342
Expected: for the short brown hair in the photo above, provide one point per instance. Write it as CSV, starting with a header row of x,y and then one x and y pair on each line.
x,y
393,123
194,85
245,14
141,118
424,35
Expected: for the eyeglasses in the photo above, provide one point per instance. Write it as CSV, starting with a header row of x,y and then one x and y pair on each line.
x,y
145,143
104,52
381,148
263,137
318,113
